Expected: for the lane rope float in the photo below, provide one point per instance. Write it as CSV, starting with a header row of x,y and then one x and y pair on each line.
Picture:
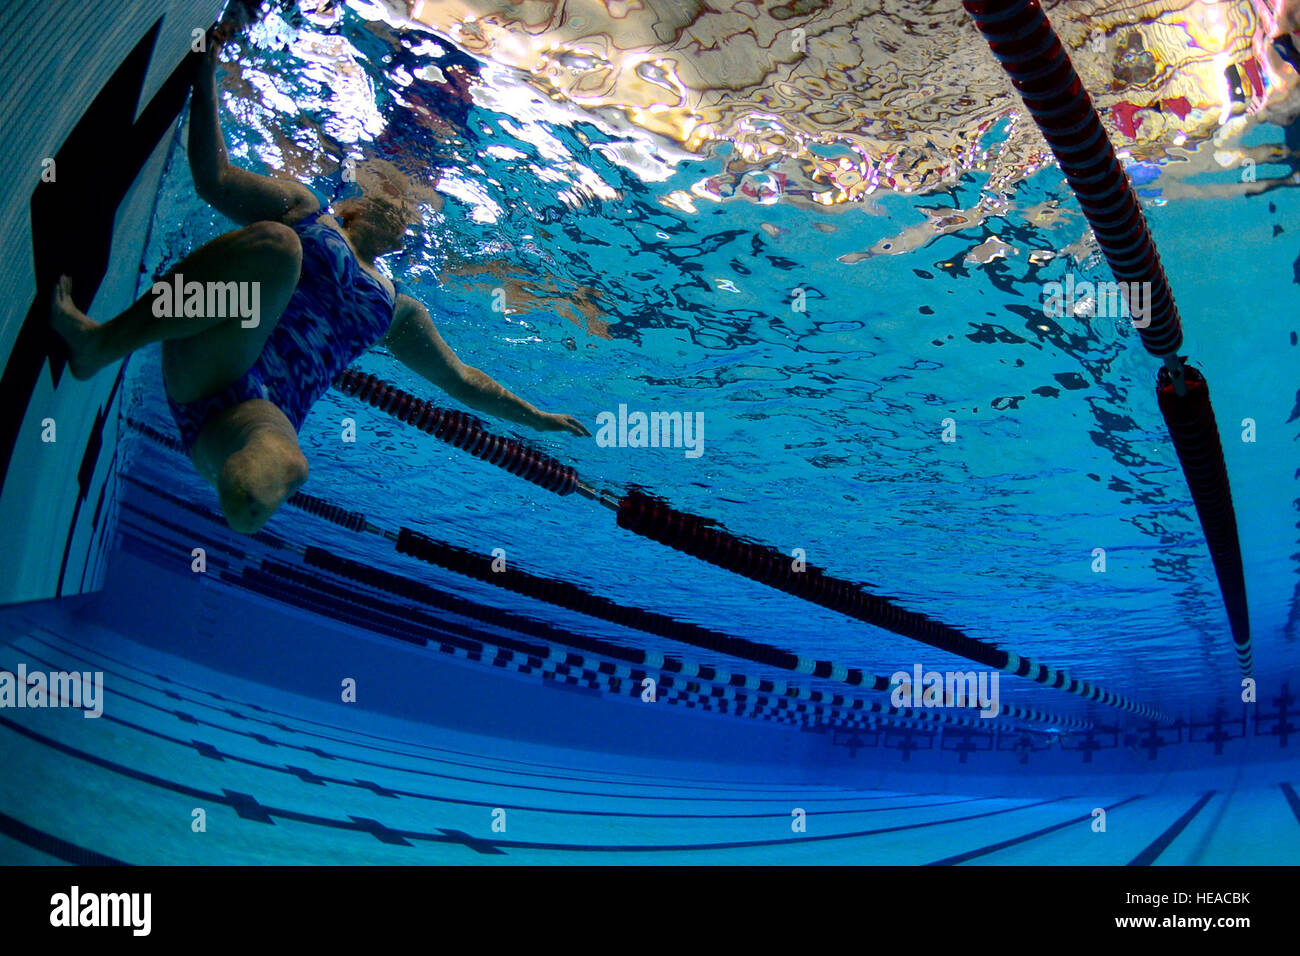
x,y
1025,43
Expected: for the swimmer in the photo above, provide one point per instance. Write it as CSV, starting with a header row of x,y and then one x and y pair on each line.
x,y
240,386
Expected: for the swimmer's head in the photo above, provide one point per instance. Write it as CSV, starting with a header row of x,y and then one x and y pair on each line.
x,y
380,207
379,223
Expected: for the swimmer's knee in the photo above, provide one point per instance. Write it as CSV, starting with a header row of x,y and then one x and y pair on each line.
x,y
246,505
254,483
296,471
274,243
244,511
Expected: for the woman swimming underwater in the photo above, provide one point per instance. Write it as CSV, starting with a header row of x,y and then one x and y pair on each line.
x,y
240,386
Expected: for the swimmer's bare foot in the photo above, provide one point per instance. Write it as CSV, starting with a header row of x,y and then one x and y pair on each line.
x,y
76,329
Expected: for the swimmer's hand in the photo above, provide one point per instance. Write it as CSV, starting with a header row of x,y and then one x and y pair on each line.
x,y
239,16
561,423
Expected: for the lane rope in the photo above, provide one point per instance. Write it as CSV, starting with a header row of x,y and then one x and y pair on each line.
x,y
1025,43
560,593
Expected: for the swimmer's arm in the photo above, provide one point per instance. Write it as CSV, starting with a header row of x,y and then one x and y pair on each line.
x,y
414,341
244,196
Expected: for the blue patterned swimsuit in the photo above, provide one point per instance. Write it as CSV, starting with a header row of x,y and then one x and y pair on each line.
x,y
337,311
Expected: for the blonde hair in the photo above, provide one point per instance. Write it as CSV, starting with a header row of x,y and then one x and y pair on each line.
x,y
367,204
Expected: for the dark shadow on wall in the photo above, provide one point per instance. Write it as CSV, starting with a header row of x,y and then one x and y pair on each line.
x,y
73,217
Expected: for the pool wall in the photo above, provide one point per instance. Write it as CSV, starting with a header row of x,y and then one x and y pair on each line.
x,y
90,101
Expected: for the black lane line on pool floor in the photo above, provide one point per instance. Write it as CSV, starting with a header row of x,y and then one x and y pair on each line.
x,y
1014,841
248,808
208,750
1152,852
561,772
244,805
51,845
212,752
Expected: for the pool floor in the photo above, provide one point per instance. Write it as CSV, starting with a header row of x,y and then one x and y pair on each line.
x,y
278,779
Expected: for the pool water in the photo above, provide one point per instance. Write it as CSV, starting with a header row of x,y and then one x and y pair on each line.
x,y
589,262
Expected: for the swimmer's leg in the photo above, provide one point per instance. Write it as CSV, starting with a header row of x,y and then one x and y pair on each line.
x,y
250,454
266,253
